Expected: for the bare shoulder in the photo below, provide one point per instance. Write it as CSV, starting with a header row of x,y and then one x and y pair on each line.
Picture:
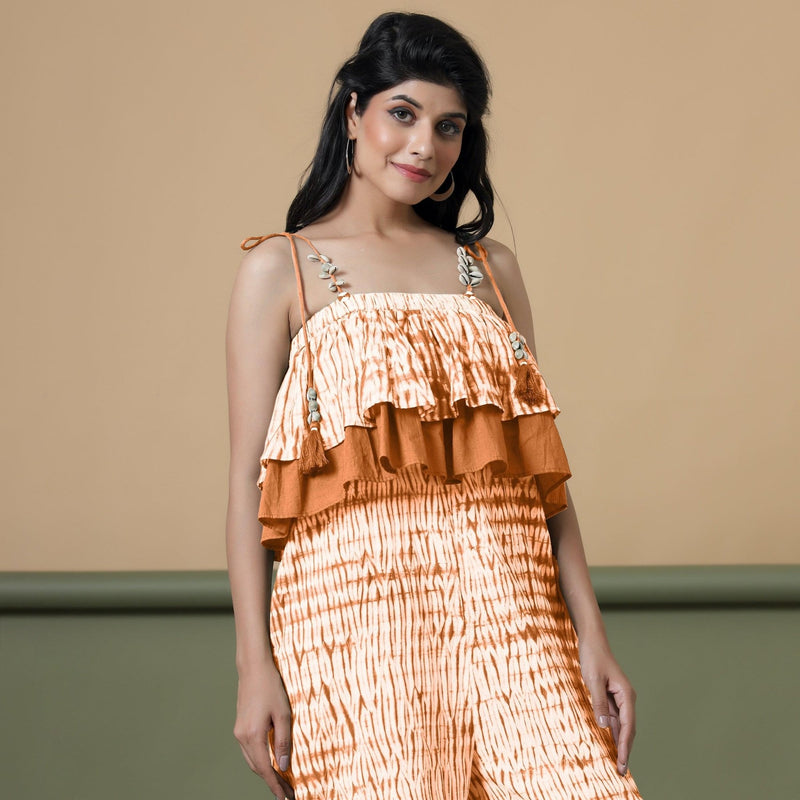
x,y
257,347
270,261
504,265
499,253
263,291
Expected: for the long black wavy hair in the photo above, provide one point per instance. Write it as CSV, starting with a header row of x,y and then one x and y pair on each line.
x,y
398,47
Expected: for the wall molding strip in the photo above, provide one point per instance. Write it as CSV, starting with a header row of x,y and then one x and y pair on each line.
x,y
718,585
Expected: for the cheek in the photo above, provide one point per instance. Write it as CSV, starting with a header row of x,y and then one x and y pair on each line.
x,y
382,136
450,152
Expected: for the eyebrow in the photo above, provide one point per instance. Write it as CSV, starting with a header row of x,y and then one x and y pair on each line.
x,y
416,104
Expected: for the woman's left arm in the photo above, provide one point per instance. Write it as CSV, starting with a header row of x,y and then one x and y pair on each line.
x,y
613,697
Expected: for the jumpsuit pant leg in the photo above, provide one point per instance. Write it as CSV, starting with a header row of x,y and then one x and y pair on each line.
x,y
427,653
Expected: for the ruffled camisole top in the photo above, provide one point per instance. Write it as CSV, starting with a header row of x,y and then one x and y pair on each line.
x,y
381,381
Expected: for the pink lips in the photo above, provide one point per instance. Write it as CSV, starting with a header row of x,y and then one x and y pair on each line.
x,y
412,173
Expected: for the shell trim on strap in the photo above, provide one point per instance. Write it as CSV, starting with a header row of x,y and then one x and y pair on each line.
x,y
529,386
313,457
426,352
446,414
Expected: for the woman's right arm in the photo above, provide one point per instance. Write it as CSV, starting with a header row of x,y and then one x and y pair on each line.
x,y
257,346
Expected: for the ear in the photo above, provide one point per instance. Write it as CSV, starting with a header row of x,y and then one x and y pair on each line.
x,y
351,115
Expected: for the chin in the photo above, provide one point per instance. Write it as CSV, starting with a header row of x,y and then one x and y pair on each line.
x,y
407,198
405,192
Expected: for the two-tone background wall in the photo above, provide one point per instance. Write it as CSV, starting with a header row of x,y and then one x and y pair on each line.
x,y
646,157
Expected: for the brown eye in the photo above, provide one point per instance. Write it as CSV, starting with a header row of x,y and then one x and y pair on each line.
x,y
450,128
401,114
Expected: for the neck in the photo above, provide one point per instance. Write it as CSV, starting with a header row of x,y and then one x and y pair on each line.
x,y
364,209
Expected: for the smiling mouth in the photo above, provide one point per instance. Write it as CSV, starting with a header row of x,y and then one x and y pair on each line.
x,y
412,173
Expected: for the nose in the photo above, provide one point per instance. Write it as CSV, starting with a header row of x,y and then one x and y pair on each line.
x,y
421,143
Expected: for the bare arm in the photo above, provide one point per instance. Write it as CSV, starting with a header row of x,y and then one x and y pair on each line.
x,y
575,582
257,346
565,534
613,698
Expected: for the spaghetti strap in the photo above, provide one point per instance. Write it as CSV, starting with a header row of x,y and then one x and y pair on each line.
x,y
312,454
328,267
469,274
483,257
529,384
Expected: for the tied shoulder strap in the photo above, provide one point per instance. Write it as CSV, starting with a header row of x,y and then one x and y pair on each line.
x,y
529,385
312,451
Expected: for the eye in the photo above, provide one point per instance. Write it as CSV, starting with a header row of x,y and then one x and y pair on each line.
x,y
449,127
401,114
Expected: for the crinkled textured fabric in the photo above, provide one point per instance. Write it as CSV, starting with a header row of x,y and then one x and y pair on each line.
x,y
416,618
404,379
427,652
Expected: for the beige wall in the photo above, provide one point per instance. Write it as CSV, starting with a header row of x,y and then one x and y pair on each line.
x,y
646,153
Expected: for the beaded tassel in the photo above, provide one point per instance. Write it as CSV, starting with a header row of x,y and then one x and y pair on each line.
x,y
312,452
529,383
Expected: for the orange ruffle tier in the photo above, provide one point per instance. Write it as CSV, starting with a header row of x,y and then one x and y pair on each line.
x,y
477,438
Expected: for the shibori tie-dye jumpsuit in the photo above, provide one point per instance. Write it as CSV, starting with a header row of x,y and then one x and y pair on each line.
x,y
416,620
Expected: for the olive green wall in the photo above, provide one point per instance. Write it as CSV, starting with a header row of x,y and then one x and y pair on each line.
x,y
123,685
644,152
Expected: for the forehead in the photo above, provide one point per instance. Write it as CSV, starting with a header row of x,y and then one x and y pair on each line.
x,y
431,96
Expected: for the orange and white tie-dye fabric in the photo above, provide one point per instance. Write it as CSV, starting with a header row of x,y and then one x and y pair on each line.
x,y
404,379
427,652
416,618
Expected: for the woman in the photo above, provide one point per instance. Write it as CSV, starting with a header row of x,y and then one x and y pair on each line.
x,y
420,639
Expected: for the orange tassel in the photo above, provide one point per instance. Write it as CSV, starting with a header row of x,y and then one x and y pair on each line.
x,y
529,385
312,453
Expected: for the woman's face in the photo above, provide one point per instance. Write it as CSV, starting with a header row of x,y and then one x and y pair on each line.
x,y
408,139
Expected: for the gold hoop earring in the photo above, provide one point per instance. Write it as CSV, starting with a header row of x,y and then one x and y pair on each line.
x,y
348,159
441,196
